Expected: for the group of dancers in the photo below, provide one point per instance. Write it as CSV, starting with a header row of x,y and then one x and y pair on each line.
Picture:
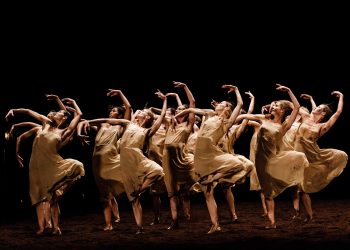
x,y
181,151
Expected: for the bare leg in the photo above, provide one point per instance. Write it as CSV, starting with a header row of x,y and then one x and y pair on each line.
x,y
230,203
40,213
186,206
213,209
47,212
263,203
55,212
174,203
137,209
115,209
271,213
308,207
107,213
296,202
156,208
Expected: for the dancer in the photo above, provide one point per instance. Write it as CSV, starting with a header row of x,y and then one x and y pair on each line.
x,y
106,157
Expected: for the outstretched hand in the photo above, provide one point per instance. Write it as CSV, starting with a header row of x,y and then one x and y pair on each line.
x,y
51,97
160,94
251,96
9,114
337,93
179,84
230,87
306,96
68,101
282,88
113,92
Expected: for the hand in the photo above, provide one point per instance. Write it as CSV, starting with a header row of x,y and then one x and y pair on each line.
x,y
306,96
51,97
113,92
251,96
68,101
19,160
213,103
70,109
85,126
84,140
9,114
265,108
337,93
230,87
160,94
282,88
179,84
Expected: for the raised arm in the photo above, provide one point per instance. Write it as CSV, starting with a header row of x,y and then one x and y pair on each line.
x,y
74,123
309,97
296,106
250,110
237,110
191,100
126,103
22,124
22,137
57,100
30,112
328,124
158,122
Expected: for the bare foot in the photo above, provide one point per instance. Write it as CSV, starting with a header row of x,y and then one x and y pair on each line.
x,y
108,228
214,228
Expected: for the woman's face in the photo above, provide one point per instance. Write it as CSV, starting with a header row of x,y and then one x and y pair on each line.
x,y
220,106
319,109
114,113
276,109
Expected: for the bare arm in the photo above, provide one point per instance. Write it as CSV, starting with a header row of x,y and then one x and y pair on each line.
x,y
22,124
196,111
30,112
126,103
58,100
237,110
74,123
309,97
191,116
327,125
158,122
250,110
296,106
22,137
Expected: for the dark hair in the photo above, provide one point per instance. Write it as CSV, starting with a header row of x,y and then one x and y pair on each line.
x,y
121,110
150,121
287,107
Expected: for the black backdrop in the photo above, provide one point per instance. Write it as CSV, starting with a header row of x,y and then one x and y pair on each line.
x,y
82,61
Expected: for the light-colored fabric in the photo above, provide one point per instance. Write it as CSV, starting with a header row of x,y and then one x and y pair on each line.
x,y
106,162
136,167
210,159
177,165
276,169
48,171
254,180
325,164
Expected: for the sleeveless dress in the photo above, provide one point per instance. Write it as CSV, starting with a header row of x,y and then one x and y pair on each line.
x,y
227,144
254,180
48,171
277,169
136,167
106,162
155,153
178,168
325,164
210,159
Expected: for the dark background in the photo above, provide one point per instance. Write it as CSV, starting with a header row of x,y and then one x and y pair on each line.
x,y
80,56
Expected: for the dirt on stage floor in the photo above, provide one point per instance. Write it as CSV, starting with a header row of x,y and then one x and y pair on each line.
x,y
330,229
